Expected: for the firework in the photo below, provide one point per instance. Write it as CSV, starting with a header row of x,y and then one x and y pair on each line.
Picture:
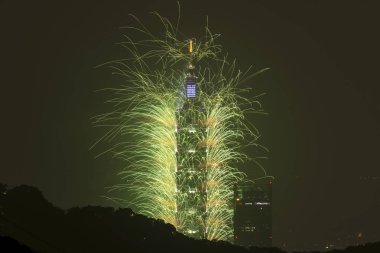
x,y
179,125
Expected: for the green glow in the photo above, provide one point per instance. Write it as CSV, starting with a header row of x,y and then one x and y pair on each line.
x,y
180,163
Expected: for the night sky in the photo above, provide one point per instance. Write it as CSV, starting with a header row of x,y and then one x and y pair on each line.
x,y
322,127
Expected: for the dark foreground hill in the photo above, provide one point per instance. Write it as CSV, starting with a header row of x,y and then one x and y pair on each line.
x,y
28,217
8,244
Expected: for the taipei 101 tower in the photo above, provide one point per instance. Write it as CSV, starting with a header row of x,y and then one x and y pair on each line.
x,y
181,127
191,174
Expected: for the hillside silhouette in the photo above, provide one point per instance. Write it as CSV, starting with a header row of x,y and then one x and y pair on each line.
x,y
26,216
8,244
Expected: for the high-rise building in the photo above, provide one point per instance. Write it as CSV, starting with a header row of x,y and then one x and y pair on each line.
x,y
190,175
185,114
253,214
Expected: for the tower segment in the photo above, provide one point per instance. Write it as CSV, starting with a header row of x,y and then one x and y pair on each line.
x,y
191,177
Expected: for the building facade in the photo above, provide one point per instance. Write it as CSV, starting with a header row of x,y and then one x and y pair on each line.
x,y
253,214
190,155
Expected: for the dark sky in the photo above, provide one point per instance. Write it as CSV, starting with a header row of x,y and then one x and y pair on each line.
x,y
323,127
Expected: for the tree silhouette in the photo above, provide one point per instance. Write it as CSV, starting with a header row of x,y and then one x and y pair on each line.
x,y
29,218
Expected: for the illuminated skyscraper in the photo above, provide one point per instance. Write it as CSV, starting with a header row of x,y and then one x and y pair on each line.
x,y
191,177
253,214
187,118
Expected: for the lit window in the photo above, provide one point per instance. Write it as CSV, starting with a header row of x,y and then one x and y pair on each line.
x,y
190,88
262,203
190,231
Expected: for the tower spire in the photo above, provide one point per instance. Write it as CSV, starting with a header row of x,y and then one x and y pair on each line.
x,y
191,46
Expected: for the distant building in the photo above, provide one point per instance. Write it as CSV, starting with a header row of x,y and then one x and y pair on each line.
x,y
253,214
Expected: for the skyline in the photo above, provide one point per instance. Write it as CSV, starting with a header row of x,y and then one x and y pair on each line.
x,y
324,113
